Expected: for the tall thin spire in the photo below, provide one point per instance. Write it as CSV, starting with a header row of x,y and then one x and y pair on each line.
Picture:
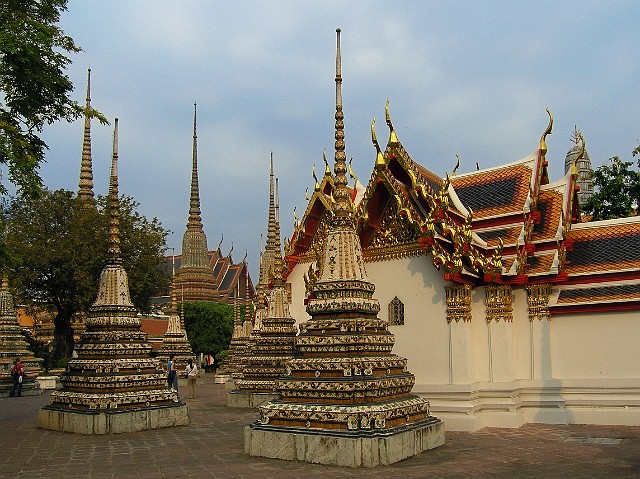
x,y
341,194
114,204
195,214
85,190
277,258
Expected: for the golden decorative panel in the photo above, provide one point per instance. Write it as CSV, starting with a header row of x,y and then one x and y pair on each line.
x,y
538,301
499,302
458,303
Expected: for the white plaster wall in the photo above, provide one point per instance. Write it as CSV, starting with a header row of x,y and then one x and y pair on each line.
x,y
596,345
424,338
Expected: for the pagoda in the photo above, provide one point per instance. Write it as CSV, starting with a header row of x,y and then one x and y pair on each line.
x,y
194,280
114,385
13,345
272,343
347,399
175,341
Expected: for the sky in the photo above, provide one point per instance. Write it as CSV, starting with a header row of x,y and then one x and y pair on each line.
x,y
462,77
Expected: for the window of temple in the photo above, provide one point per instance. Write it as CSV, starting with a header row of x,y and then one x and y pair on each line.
x,y
396,312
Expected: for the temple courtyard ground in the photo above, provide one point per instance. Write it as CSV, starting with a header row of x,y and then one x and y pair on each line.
x,y
212,446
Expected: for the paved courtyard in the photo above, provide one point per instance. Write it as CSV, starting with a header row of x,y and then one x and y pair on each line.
x,y
212,446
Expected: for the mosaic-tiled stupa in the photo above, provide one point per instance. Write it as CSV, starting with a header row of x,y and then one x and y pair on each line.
x,y
194,280
273,344
347,399
13,345
114,385
175,341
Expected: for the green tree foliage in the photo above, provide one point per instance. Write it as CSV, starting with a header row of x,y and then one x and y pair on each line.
x,y
58,247
34,89
209,326
616,190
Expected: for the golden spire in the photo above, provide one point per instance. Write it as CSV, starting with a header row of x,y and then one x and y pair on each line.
x,y
114,204
343,204
195,214
85,187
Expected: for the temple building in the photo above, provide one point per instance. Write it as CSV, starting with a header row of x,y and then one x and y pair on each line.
x,y
13,345
507,307
346,399
114,385
272,342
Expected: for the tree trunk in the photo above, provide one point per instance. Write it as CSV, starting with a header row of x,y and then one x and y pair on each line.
x,y
63,335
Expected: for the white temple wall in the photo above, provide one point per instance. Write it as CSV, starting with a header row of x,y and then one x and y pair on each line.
x,y
571,369
424,337
596,345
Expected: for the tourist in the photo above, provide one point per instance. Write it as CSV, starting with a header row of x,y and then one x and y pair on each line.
x,y
172,374
17,373
192,378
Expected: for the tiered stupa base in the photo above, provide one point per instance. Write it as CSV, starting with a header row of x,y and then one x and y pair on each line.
x,y
344,448
113,421
249,399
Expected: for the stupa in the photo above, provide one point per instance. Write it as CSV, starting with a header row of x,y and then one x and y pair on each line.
x,y
347,399
175,341
194,280
273,343
114,385
13,345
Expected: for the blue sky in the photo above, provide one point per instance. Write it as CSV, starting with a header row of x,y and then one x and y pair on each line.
x,y
466,77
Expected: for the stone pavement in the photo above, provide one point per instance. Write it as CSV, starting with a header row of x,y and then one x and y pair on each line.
x,y
212,446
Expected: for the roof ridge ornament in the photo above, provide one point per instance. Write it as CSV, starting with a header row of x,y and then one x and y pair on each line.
x,y
392,134
543,138
380,162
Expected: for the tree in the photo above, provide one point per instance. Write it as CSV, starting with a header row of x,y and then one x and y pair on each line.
x,y
59,247
209,326
616,190
34,90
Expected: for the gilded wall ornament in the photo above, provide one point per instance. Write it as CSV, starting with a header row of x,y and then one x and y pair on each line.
x,y
499,302
458,303
538,301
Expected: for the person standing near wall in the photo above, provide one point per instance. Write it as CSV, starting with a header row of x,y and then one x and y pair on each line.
x,y
192,378
172,374
17,373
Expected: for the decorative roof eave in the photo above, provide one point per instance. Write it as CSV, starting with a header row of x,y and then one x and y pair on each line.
x,y
624,295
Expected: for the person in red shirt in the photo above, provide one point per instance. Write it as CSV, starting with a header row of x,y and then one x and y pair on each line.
x,y
17,372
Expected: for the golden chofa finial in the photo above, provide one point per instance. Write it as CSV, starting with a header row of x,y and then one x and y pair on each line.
x,y
352,173
327,168
453,173
574,165
543,139
392,134
380,163
315,177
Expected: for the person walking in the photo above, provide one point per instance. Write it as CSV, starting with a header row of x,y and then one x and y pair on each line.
x,y
17,373
172,374
192,378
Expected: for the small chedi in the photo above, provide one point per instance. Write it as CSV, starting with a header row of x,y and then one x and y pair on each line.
x,y
114,385
273,342
347,399
13,345
175,341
